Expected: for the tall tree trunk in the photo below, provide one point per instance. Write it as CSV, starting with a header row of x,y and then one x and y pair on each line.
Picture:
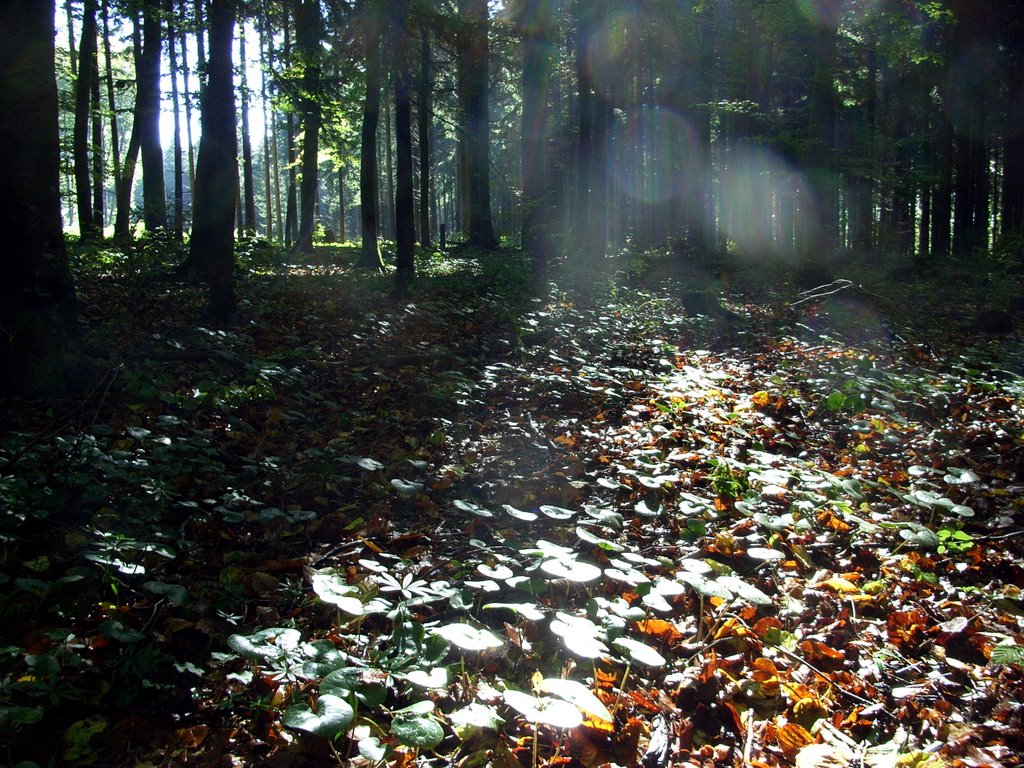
x,y
248,186
37,297
389,172
405,210
474,64
370,256
83,101
269,135
536,222
212,242
424,109
308,31
178,215
123,183
96,116
154,201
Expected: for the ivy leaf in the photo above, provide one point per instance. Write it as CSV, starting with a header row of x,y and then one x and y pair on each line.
x,y
639,652
469,638
543,709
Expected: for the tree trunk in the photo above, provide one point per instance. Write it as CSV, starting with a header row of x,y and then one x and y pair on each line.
x,y
154,202
123,182
37,297
424,109
80,142
405,211
97,146
249,190
474,61
212,242
177,223
307,40
536,66
389,170
370,256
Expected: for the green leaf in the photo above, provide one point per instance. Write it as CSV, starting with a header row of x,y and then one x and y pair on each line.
x,y
438,677
543,709
639,652
341,682
476,715
333,715
571,570
371,749
370,464
330,585
405,488
417,731
557,513
578,695
10,715
469,638
528,611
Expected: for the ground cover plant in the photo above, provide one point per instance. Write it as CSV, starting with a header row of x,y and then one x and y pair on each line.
x,y
679,514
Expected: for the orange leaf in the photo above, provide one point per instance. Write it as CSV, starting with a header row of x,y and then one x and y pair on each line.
x,y
665,631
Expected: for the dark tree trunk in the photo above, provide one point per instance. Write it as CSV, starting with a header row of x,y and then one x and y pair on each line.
x,y
405,211
83,102
474,61
154,202
212,242
536,222
123,181
249,190
177,223
37,298
97,147
370,256
424,111
307,40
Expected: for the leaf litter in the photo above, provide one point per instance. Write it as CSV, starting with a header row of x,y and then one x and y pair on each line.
x,y
583,530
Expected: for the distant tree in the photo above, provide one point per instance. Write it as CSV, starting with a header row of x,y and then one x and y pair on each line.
x,y
248,184
37,297
424,109
211,250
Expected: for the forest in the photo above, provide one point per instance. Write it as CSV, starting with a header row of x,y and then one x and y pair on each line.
x,y
512,383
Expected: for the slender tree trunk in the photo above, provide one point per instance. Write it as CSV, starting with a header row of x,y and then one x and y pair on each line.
x,y
97,148
83,101
177,223
308,31
536,66
248,186
123,184
341,204
389,170
405,211
37,297
212,242
370,256
187,94
269,136
154,200
474,63
424,108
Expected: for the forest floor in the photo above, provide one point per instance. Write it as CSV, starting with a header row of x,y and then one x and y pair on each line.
x,y
679,515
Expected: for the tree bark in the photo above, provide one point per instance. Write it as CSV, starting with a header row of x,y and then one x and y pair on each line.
x,y
212,243
474,61
154,201
80,140
534,21
370,256
123,182
424,109
248,187
308,31
37,297
405,211
178,215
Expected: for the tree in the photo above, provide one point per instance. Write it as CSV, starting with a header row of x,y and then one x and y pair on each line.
x,y
248,184
84,81
423,114
37,297
211,248
534,21
147,106
474,124
405,224
370,256
308,33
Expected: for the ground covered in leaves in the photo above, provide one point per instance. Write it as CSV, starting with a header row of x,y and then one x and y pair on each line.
x,y
699,519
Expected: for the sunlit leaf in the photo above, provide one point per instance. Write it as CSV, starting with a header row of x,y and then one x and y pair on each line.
x,y
519,514
571,570
577,694
544,709
476,715
557,513
528,611
417,731
406,488
468,638
438,677
332,716
639,652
